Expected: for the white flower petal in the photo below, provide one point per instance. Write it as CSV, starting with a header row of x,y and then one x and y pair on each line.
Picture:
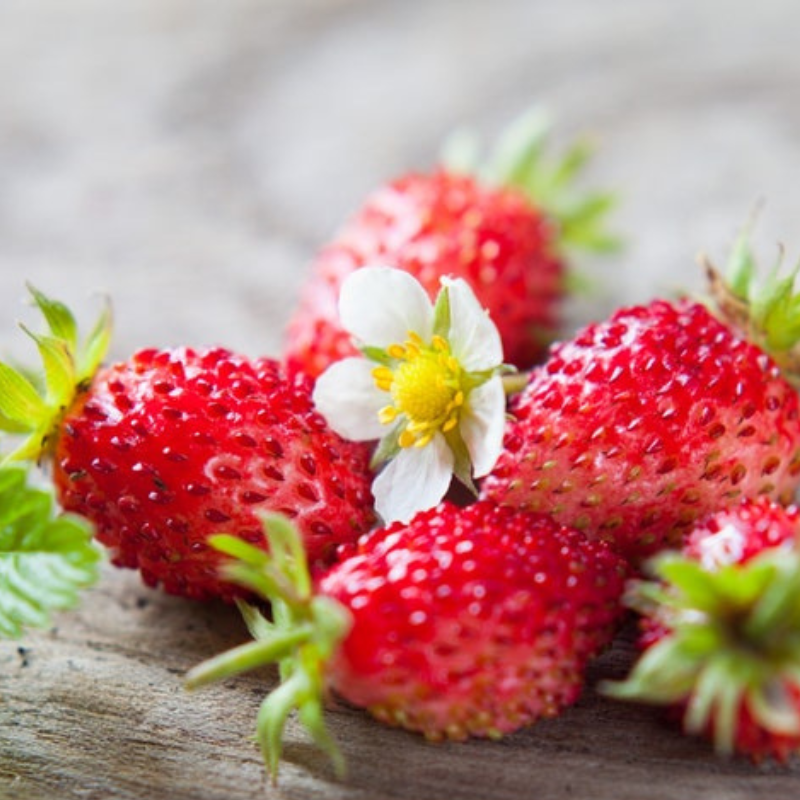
x,y
415,480
346,395
380,305
473,337
483,424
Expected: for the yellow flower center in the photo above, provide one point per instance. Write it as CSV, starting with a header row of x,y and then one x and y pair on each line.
x,y
425,388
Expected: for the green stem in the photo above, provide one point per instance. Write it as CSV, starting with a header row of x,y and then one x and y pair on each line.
x,y
515,382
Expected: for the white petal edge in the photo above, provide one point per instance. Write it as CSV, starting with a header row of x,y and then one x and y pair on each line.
x,y
483,425
380,305
474,339
346,395
415,480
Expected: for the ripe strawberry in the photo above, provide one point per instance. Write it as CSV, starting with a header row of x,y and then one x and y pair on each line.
x,y
645,422
722,632
464,622
504,231
170,446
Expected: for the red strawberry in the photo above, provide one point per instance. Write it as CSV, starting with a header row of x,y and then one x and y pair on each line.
x,y
170,446
644,423
468,621
722,632
504,232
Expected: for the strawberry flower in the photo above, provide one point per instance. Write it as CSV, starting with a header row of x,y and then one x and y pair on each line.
x,y
428,386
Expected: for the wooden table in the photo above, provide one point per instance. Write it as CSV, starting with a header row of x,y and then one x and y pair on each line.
x,y
187,158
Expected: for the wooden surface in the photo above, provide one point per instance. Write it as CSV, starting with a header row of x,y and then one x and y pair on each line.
x,y
187,158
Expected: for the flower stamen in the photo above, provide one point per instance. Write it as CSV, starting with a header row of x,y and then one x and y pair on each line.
x,y
425,384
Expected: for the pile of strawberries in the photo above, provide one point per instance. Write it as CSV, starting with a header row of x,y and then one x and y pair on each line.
x,y
648,459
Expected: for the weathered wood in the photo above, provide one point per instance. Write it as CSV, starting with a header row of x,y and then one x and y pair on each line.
x,y
187,157
95,709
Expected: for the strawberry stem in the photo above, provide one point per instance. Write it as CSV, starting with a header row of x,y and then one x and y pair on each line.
x,y
515,382
766,312
301,637
732,640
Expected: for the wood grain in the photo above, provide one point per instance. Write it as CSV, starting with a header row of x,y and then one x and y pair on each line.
x,y
95,708
187,157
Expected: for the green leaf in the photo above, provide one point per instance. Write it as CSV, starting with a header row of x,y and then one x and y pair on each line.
x,y
45,560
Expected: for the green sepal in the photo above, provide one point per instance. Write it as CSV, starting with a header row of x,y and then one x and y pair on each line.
x,y
732,639
515,159
59,318
764,309
90,356
387,448
67,367
462,463
741,269
301,638
251,655
521,159
441,313
514,381
59,368
45,559
774,710
20,403
376,354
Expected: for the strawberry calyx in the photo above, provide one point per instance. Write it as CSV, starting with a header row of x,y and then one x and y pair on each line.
x,y
301,637
730,644
519,159
34,408
766,312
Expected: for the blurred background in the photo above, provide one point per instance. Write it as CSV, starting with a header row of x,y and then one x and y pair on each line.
x,y
187,157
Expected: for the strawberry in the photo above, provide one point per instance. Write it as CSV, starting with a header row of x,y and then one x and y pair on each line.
x,y
721,636
165,448
504,231
470,621
645,422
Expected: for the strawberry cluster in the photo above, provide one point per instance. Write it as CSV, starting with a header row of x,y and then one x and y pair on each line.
x,y
662,441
